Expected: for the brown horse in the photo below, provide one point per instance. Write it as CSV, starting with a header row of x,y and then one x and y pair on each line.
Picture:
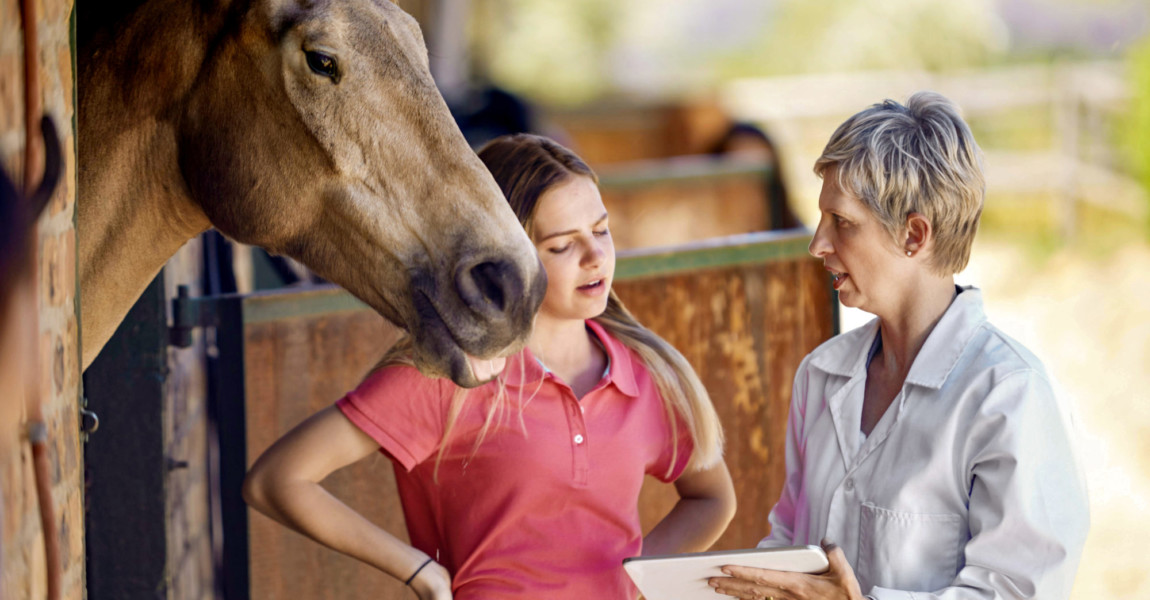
x,y
312,129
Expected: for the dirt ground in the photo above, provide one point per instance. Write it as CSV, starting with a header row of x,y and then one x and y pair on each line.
x,y
1088,318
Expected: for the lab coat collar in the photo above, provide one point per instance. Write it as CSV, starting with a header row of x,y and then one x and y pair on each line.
x,y
945,344
846,356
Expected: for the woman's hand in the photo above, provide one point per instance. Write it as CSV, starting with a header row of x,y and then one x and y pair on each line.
x,y
837,583
433,582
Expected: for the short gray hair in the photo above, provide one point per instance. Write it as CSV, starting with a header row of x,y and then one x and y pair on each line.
x,y
918,158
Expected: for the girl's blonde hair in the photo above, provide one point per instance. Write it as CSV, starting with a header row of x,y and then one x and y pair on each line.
x,y
525,166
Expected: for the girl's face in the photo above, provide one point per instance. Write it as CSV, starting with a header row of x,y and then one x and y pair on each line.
x,y
867,265
571,236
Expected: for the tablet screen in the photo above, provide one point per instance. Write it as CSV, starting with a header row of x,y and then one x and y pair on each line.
x,y
684,576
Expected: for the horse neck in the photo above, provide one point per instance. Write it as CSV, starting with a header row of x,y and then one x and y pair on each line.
x,y
135,210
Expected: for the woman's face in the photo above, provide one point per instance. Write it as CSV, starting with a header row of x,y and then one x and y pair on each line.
x,y
867,265
571,235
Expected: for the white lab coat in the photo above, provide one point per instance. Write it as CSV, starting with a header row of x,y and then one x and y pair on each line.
x,y
969,485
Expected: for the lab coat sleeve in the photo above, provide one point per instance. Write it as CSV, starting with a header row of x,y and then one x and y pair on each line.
x,y
783,516
1028,514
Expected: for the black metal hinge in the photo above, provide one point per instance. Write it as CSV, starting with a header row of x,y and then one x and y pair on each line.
x,y
188,313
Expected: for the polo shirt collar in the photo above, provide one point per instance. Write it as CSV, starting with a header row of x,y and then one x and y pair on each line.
x,y
619,356
936,359
525,370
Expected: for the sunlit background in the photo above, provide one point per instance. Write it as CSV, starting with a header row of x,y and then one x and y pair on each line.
x,y
1057,92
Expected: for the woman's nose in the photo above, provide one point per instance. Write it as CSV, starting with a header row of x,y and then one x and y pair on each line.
x,y
820,246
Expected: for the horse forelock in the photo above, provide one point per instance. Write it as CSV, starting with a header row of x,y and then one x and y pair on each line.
x,y
289,16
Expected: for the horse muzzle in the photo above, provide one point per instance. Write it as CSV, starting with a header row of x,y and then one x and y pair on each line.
x,y
485,311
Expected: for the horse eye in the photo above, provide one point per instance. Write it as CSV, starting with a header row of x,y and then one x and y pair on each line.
x,y
323,64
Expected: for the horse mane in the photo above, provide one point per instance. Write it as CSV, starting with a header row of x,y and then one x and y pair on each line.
x,y
94,20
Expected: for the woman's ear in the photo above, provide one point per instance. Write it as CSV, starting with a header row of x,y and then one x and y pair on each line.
x,y
919,233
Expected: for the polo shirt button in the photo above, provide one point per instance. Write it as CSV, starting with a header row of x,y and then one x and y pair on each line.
x,y
578,438
850,485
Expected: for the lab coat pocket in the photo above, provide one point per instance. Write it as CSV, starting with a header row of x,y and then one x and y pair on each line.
x,y
916,552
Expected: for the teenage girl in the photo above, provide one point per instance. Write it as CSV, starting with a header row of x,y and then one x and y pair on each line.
x,y
527,486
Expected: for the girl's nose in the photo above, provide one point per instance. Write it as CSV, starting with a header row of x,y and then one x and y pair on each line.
x,y
594,254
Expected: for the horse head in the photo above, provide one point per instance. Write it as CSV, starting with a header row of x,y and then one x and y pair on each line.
x,y
314,130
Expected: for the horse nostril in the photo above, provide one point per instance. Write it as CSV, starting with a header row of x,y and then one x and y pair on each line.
x,y
495,282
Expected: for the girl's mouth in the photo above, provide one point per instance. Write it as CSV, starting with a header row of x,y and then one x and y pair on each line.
x,y
594,287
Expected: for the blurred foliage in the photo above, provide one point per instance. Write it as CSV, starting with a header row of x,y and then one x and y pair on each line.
x,y
1017,129
1136,131
1027,222
575,51
552,50
845,35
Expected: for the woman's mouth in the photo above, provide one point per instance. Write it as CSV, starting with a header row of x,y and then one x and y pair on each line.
x,y
838,279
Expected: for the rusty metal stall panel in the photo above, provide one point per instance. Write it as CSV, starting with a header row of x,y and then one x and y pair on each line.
x,y
744,313
743,310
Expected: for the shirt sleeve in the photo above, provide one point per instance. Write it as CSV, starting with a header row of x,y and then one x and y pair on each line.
x,y
782,516
402,410
680,453
1028,506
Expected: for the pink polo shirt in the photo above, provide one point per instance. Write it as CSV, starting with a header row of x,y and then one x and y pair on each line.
x,y
547,506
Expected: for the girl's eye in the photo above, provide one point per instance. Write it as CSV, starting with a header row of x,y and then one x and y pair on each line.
x,y
603,232
559,250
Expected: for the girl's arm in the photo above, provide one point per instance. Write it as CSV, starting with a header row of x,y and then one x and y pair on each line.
x,y
284,485
706,505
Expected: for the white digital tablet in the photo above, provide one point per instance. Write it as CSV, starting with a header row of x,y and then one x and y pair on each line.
x,y
684,576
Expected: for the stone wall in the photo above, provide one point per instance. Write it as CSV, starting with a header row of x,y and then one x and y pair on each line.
x,y
23,567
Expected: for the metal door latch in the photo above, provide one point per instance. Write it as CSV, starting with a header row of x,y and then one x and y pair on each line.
x,y
89,421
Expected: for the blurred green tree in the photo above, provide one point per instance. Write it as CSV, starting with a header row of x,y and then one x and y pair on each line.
x,y
808,36
1136,133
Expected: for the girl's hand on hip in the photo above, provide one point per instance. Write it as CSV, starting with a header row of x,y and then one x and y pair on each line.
x,y
750,583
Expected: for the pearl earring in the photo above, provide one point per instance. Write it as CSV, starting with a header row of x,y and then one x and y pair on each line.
x,y
908,253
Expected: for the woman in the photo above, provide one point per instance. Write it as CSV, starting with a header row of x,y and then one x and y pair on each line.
x,y
527,486
927,445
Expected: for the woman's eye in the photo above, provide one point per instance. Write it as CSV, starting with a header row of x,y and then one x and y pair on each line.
x,y
839,221
322,64
560,249
602,232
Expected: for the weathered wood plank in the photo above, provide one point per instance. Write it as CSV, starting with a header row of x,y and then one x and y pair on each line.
x,y
745,330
